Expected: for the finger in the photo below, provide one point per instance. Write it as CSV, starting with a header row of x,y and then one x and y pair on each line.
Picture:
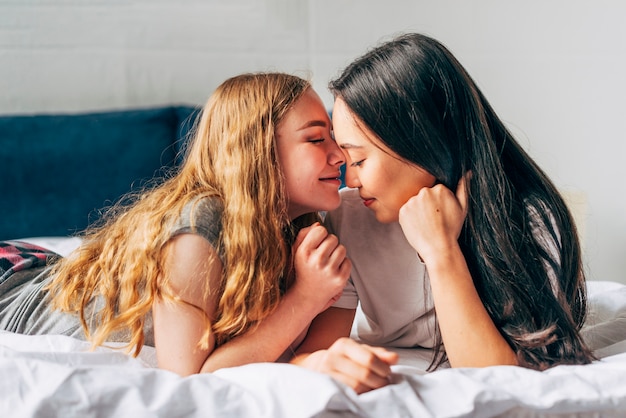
x,y
328,245
336,297
352,382
366,357
315,236
345,268
337,255
389,357
303,233
461,190
357,365
359,377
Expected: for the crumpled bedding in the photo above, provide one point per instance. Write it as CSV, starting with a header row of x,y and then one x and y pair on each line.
x,y
46,375
56,376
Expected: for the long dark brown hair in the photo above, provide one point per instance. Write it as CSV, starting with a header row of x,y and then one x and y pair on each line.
x,y
519,238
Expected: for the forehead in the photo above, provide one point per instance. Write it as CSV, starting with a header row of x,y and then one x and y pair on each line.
x,y
350,131
307,111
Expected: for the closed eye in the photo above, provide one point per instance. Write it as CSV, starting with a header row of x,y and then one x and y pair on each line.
x,y
357,163
316,141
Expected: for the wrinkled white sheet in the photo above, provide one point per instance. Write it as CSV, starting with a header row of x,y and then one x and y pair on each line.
x,y
42,376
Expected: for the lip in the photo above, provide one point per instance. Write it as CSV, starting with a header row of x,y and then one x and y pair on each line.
x,y
367,201
334,178
331,180
335,175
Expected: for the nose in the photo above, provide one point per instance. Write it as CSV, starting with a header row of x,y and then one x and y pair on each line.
x,y
335,155
351,178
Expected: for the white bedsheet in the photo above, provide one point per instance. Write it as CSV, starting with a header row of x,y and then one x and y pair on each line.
x,y
55,376
44,376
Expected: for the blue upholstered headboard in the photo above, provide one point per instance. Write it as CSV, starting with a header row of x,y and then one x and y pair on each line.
x,y
57,171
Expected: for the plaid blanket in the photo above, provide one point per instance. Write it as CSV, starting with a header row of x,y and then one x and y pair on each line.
x,y
18,255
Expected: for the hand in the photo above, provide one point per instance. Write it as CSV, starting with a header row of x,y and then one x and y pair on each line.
x,y
322,268
432,220
359,366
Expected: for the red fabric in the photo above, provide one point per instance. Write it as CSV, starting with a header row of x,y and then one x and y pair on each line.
x,y
18,255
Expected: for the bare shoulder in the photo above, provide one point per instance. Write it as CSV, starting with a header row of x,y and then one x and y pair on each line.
x,y
192,264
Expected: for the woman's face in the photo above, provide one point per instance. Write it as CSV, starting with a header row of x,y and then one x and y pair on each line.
x,y
309,157
385,182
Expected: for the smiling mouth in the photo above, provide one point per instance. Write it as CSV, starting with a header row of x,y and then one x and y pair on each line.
x,y
336,177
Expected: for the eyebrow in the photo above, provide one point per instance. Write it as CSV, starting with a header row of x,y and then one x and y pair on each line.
x,y
349,146
312,123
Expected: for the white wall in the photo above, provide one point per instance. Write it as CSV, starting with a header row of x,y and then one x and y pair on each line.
x,y
553,69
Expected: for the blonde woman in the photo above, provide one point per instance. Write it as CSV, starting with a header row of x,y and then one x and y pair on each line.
x,y
223,263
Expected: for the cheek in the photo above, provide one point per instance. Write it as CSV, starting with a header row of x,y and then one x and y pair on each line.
x,y
398,184
385,178
316,160
303,167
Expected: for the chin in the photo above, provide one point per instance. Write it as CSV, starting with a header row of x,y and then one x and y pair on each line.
x,y
331,202
331,206
385,218
385,214
327,205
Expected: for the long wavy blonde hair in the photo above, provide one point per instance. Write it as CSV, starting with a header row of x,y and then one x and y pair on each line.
x,y
231,156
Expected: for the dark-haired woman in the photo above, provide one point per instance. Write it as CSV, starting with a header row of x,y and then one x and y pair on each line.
x,y
459,241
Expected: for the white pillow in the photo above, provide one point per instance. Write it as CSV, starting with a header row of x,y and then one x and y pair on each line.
x,y
605,327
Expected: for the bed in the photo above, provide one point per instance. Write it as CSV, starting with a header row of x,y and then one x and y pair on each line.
x,y
52,375
43,376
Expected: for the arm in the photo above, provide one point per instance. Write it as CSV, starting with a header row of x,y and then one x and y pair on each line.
x,y
321,272
432,222
469,335
269,339
179,326
326,328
